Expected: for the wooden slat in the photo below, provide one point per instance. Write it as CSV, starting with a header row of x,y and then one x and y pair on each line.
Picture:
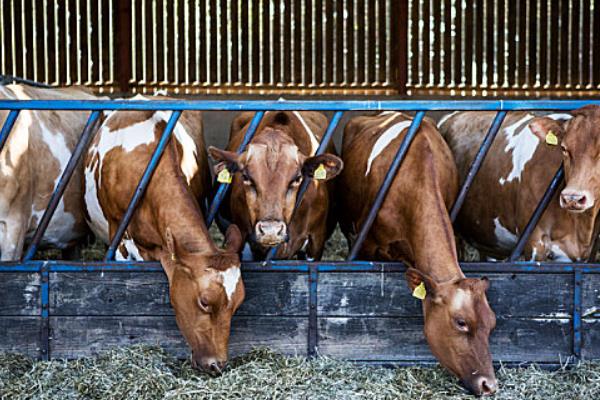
x,y
20,335
74,337
591,339
396,339
376,294
591,296
118,293
19,294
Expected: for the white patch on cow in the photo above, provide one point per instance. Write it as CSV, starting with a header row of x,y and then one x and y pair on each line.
x,y
61,225
533,254
505,237
134,252
189,166
560,116
522,144
461,297
446,118
98,222
387,113
559,254
230,276
384,140
314,143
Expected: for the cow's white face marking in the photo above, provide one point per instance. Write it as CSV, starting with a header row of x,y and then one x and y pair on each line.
x,y
522,144
230,277
446,118
314,143
559,254
384,140
506,238
460,299
560,116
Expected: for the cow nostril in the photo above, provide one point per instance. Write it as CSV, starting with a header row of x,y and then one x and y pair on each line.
x,y
215,367
581,200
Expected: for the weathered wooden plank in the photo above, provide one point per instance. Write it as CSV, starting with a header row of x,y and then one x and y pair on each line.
x,y
20,335
126,293
401,339
591,296
377,294
74,337
591,339
19,294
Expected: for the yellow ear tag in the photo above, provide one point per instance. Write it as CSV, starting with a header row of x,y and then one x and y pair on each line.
x,y
224,176
420,292
173,257
551,139
320,173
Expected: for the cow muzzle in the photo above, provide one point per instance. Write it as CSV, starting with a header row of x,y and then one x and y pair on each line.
x,y
576,200
270,232
481,385
210,365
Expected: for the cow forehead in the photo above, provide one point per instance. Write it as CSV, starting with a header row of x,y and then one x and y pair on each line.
x,y
273,154
462,299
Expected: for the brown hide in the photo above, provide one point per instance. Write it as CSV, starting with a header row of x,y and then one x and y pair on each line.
x,y
266,181
205,283
504,193
413,226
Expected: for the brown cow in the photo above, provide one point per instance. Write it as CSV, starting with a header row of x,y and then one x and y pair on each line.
x,y
267,178
515,174
413,226
205,282
31,163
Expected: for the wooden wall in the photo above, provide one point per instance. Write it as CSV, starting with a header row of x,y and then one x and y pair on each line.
x,y
361,316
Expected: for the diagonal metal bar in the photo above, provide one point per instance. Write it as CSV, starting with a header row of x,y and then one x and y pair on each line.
x,y
537,213
476,164
142,185
82,144
223,187
387,182
7,127
306,180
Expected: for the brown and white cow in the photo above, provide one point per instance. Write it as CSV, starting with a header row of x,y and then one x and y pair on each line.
x,y
205,282
413,226
31,163
266,181
517,171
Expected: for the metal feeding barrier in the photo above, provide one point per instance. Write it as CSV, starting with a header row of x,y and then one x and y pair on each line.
x,y
578,271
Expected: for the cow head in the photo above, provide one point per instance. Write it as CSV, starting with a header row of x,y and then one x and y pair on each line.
x,y
206,290
579,140
458,323
269,173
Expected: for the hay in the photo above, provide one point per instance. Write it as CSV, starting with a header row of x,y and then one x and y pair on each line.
x,y
143,372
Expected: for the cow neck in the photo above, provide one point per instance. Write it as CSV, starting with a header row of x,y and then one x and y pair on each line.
x,y
179,211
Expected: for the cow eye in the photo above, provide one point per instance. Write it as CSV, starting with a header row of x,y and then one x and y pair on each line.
x,y
203,304
247,180
564,150
296,181
461,325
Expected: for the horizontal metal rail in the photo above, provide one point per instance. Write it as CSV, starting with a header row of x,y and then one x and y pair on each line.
x,y
299,105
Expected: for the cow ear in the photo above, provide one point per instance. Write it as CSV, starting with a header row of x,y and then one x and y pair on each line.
x,y
168,258
484,284
233,239
224,159
414,278
544,128
322,167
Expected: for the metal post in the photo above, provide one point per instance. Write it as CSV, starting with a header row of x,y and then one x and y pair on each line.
x,y
82,144
387,182
476,164
306,180
313,320
537,214
577,310
7,127
142,185
223,187
45,312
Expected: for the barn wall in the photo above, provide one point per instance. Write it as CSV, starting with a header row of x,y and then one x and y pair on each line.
x,y
361,316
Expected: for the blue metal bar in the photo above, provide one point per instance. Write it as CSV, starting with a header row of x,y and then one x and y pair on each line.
x,y
387,182
297,105
7,127
306,180
537,214
577,310
142,185
82,144
476,164
313,317
45,313
223,187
